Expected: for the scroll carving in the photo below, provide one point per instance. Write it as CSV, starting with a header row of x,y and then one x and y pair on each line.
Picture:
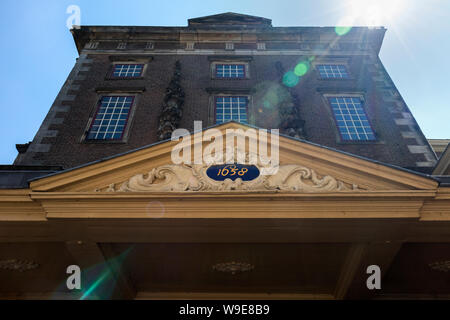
x,y
233,267
183,177
302,179
18,265
164,178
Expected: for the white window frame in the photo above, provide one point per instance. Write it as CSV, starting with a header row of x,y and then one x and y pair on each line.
x,y
218,62
128,125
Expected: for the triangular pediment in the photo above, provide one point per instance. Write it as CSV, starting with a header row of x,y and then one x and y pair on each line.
x,y
229,18
303,168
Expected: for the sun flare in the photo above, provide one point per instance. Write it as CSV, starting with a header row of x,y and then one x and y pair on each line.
x,y
372,12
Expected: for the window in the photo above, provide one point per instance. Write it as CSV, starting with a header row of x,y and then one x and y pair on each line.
x,y
230,71
351,119
230,67
231,108
127,70
111,118
332,71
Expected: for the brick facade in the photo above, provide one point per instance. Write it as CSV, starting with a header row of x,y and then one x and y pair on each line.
x,y
60,141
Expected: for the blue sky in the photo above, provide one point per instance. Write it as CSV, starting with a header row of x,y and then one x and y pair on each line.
x,y
38,51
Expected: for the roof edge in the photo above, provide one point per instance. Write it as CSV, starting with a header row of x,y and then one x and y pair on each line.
x,y
420,174
443,163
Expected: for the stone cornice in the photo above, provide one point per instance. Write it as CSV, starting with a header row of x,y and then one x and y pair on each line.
x,y
84,34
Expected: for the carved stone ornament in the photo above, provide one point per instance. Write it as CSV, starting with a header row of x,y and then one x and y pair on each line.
x,y
233,267
291,123
172,109
443,266
185,178
18,265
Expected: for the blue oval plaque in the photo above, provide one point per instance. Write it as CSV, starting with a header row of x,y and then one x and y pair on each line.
x,y
233,171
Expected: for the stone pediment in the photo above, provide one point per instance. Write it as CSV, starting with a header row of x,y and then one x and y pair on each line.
x,y
180,178
194,178
303,168
229,18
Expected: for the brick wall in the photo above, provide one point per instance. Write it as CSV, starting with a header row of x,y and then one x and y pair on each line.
x,y
59,140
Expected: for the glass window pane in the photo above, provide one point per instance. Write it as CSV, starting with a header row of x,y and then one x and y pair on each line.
x,y
231,108
106,125
351,119
128,70
332,71
230,71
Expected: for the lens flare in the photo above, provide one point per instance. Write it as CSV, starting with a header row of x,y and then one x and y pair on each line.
x,y
155,209
94,286
343,26
301,68
290,79
372,12
341,31
271,98
101,280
